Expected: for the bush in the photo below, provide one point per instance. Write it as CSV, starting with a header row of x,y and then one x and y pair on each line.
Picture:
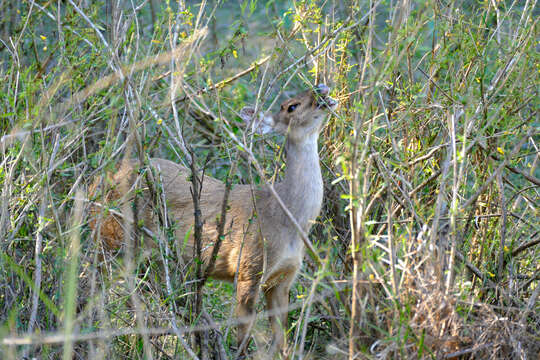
x,y
429,232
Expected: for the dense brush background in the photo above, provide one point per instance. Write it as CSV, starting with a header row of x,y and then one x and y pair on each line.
x,y
430,231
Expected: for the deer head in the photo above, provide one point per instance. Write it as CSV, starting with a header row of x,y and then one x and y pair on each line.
x,y
299,117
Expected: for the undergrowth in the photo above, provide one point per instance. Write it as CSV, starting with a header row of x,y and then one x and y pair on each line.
x,y
429,233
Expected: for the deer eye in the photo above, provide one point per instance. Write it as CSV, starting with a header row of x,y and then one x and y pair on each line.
x,y
291,108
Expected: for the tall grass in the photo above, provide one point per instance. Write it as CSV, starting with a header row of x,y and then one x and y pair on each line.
x,y
428,244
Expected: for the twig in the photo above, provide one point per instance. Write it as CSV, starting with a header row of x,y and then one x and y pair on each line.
x,y
426,156
89,22
526,246
211,323
485,185
502,204
37,271
304,318
437,86
530,178
322,44
115,77
221,225
222,83
165,260
196,188
392,251
71,276
390,179
530,305
21,134
467,351
39,242
475,270
168,286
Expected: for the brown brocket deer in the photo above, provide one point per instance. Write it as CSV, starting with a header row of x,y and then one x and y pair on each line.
x,y
261,245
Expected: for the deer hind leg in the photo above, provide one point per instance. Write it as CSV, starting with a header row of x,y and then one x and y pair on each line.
x,y
246,296
277,302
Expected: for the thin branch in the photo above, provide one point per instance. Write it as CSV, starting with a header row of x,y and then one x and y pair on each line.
x,y
221,225
222,83
525,246
485,185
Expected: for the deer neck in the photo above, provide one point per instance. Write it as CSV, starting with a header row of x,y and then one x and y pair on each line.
x,y
302,188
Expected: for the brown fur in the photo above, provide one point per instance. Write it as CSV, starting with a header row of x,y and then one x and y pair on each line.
x,y
257,233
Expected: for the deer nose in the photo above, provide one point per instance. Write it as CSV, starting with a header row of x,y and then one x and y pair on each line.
x,y
323,89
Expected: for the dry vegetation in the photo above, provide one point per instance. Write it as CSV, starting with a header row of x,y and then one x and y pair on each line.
x,y
430,232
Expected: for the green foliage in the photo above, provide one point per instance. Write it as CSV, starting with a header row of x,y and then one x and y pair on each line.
x,y
430,165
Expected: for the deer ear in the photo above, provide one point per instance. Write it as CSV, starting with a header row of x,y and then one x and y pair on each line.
x,y
260,123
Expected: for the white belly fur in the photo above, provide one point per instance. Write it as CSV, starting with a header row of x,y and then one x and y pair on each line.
x,y
290,261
